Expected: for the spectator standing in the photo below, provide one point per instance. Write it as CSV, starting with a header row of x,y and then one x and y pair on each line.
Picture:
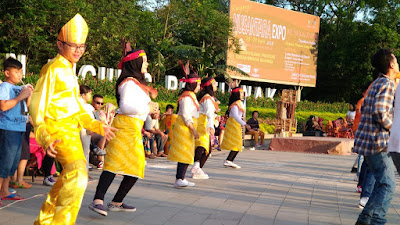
x,y
372,136
351,114
17,181
13,116
86,96
166,123
358,109
169,110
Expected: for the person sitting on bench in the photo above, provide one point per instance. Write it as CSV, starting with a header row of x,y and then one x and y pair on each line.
x,y
255,129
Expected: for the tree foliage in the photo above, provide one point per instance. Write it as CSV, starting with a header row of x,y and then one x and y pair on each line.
x,y
188,30
351,31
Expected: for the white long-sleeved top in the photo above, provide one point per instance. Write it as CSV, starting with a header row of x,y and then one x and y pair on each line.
x,y
237,115
88,108
187,110
133,102
207,108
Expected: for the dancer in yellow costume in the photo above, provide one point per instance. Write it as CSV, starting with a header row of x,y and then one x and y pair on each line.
x,y
205,126
183,141
233,128
58,116
125,153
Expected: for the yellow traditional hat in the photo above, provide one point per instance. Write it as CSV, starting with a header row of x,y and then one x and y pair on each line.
x,y
75,31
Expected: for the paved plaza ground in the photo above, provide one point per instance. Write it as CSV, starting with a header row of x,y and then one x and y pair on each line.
x,y
271,188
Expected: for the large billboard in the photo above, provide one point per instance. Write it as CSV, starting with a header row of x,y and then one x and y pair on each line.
x,y
277,45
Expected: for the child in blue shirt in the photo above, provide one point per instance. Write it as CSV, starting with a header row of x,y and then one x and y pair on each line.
x,y
13,115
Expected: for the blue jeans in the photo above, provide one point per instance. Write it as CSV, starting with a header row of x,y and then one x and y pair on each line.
x,y
361,172
381,166
368,180
10,152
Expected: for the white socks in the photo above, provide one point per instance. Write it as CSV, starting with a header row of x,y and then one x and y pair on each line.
x,y
196,164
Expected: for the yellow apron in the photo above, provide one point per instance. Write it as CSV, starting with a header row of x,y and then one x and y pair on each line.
x,y
182,146
125,152
204,137
233,136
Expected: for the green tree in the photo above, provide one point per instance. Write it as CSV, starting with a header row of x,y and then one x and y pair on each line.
x,y
351,32
197,31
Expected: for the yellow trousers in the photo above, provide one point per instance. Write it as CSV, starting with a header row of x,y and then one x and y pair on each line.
x,y
65,197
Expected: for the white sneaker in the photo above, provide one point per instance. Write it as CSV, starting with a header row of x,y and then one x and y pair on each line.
x,y
194,169
252,148
200,174
49,181
228,163
100,165
363,202
183,183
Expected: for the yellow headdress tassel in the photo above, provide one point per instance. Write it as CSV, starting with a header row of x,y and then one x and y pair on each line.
x,y
75,31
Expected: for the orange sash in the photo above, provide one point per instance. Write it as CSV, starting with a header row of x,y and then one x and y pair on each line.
x,y
239,104
148,90
192,96
206,97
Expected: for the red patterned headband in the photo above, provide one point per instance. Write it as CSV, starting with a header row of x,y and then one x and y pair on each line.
x,y
130,57
190,80
207,83
237,90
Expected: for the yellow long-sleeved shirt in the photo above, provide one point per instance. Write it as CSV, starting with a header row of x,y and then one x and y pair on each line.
x,y
56,97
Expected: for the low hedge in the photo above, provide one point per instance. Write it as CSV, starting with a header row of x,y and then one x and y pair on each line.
x,y
264,113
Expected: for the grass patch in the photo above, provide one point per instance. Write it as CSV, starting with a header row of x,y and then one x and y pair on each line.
x,y
264,113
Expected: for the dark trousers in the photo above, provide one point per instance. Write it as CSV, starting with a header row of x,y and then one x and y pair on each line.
x,y
201,156
159,141
396,160
232,155
46,165
181,170
105,181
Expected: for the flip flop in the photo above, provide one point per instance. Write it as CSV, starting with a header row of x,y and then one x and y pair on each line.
x,y
23,184
13,197
14,184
